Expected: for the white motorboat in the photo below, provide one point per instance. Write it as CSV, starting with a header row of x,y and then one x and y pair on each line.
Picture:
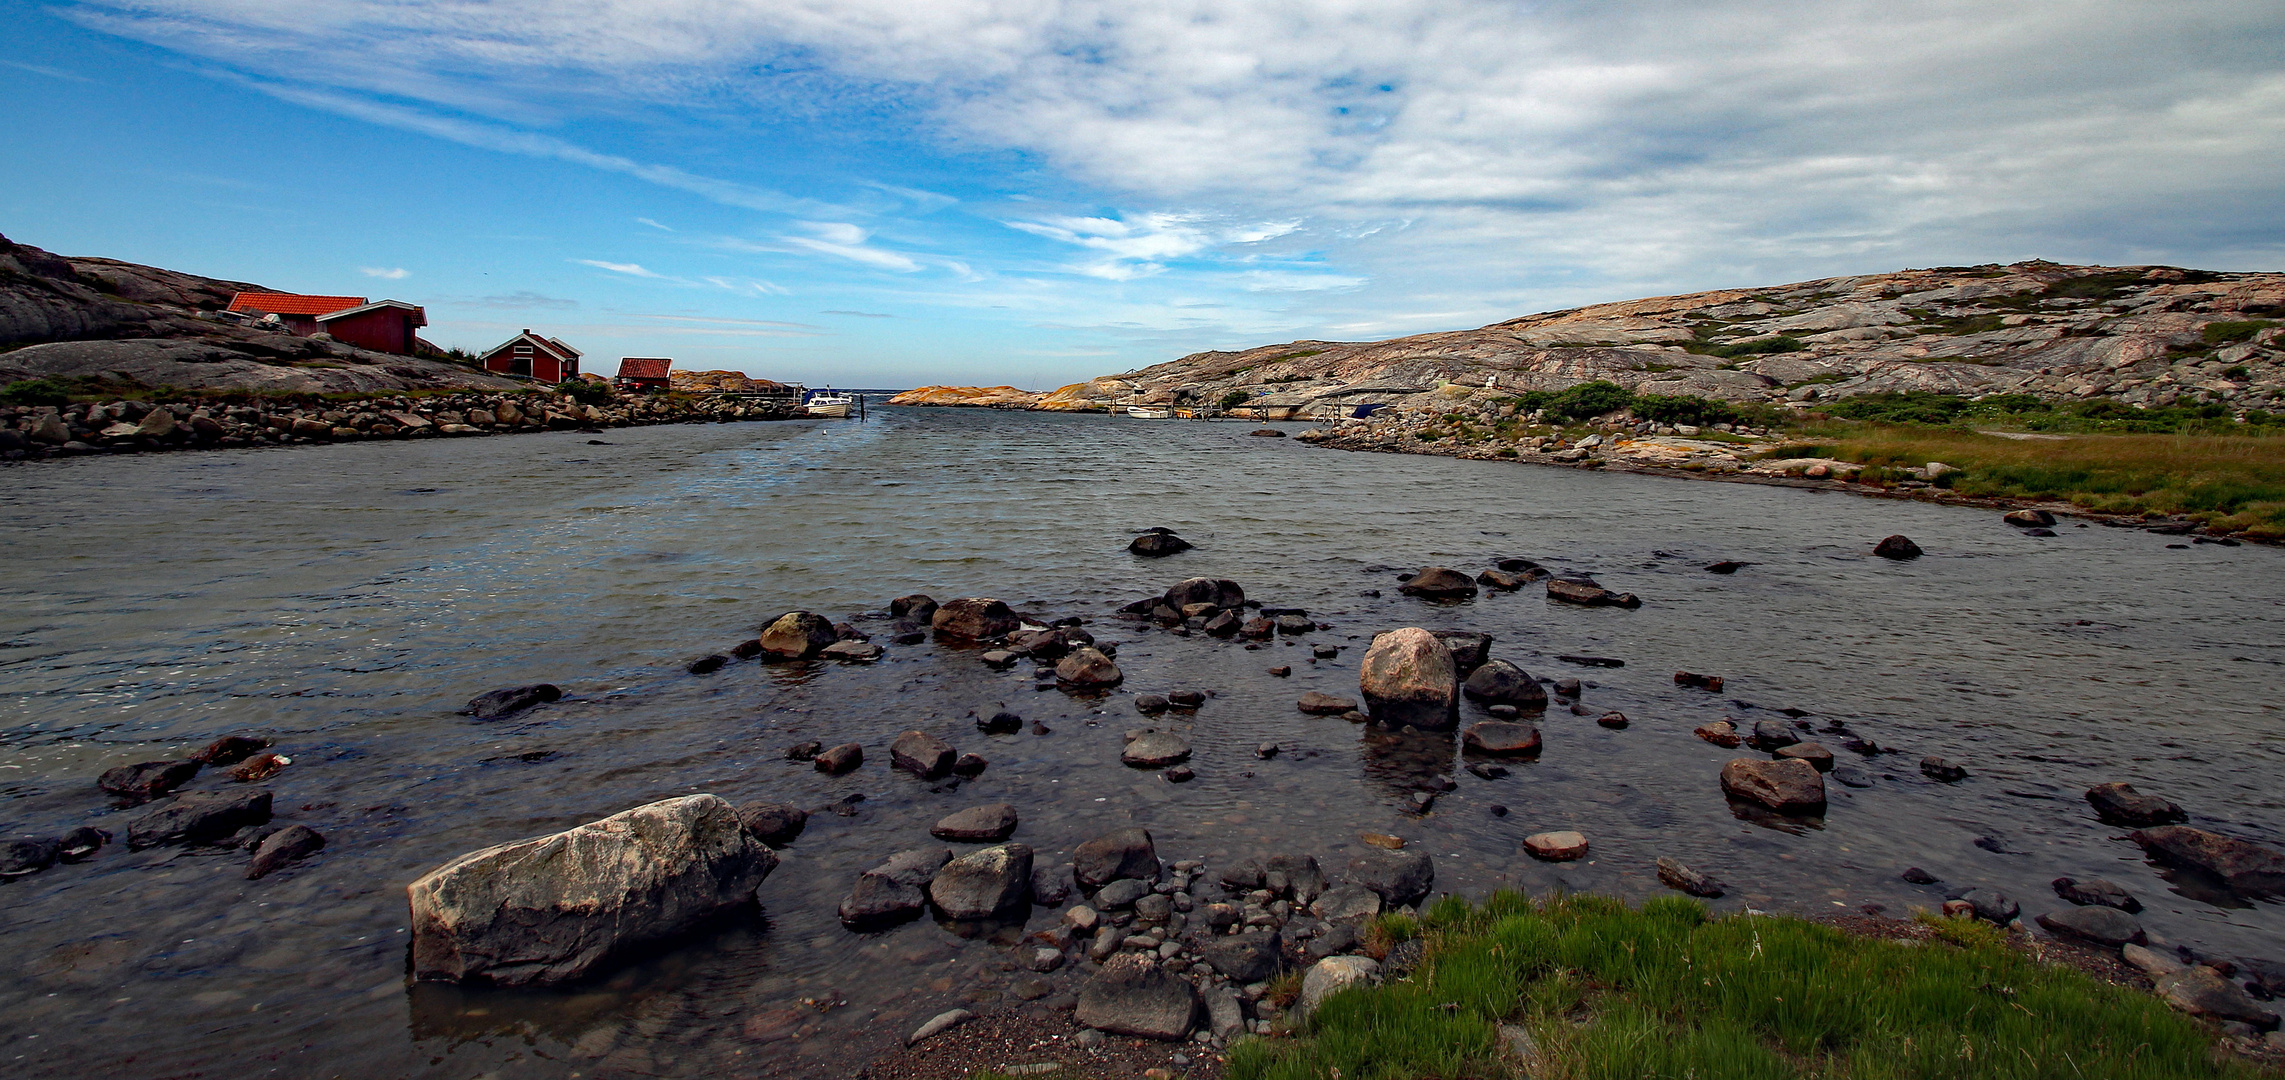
x,y
828,404
1150,412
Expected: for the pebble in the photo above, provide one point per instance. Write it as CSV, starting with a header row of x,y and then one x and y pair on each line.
x,y
1266,750
1612,720
1281,671
939,1024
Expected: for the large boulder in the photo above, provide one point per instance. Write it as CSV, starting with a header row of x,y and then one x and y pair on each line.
x,y
1220,592
2198,991
1788,785
554,908
1087,669
2239,863
1439,583
922,754
1498,682
1897,547
1120,853
199,817
984,883
894,891
1402,878
916,606
797,635
973,618
1408,678
1133,996
2120,804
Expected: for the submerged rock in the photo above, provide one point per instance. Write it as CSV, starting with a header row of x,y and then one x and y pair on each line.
x,y
1678,876
200,817
840,759
894,891
2101,925
1439,583
1501,738
1587,594
1401,878
21,857
1897,547
1560,846
2241,864
918,607
285,846
1317,704
555,908
147,780
509,700
1156,749
1784,786
231,749
2120,804
1220,592
2096,891
1157,543
1087,669
1498,682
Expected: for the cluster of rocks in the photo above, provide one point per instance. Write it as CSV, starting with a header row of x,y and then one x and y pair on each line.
x,y
201,423
1168,952
222,819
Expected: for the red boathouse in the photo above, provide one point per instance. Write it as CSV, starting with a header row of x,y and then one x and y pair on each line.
x,y
642,374
382,325
535,357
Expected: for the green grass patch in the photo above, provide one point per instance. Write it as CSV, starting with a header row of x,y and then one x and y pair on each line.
x,y
1610,992
1764,347
2230,333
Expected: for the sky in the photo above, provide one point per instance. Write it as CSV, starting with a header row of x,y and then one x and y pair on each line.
x,y
890,193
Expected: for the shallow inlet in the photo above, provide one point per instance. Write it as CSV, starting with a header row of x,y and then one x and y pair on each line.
x,y
348,599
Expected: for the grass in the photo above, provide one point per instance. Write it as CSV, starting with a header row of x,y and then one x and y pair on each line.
x,y
2234,482
1610,992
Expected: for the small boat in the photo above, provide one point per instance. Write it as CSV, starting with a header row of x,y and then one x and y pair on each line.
x,y
1149,412
828,404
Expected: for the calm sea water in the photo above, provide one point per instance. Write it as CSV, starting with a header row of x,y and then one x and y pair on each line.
x,y
348,599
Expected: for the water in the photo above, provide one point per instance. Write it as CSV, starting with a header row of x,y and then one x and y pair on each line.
x,y
348,599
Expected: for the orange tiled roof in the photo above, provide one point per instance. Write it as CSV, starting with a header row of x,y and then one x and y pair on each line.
x,y
644,367
275,303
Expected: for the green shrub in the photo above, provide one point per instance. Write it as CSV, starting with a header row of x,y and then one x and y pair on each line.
x,y
1764,347
1234,398
2230,333
36,392
1683,409
586,392
1589,399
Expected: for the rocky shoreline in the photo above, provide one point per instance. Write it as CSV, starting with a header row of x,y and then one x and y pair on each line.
x,y
1656,450
43,432
1158,957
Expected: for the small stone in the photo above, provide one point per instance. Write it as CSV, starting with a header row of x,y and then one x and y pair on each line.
x,y
1043,959
1151,704
1281,671
290,844
774,823
970,765
1180,774
1561,846
147,780
1186,699
1678,876
1917,876
1612,720
2095,891
707,665
1817,756
493,704
938,1025
840,759
1501,738
260,767
1266,750
1383,841
804,751
1317,704
1721,733
1991,905
1941,770
921,754
990,824
2120,804
1081,919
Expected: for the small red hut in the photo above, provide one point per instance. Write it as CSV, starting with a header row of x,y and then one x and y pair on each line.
x,y
641,374
382,326
297,311
533,356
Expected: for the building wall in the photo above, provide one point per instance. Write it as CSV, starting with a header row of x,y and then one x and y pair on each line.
x,y
387,330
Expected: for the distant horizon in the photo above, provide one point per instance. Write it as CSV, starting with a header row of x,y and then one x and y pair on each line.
x,y
977,193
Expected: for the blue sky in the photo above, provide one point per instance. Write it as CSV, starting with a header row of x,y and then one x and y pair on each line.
x,y
877,192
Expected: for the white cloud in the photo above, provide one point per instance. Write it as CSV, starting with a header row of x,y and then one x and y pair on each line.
x,y
385,274
1471,158
629,269
653,224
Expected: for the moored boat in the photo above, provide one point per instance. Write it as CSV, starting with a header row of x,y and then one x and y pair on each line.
x,y
826,403
1149,412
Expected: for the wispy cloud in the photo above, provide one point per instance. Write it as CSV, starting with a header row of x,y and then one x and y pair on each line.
x,y
629,269
846,241
522,301
53,73
1142,245
385,273
859,314
653,224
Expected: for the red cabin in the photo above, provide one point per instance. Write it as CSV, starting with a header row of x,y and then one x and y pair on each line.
x,y
382,326
642,374
534,357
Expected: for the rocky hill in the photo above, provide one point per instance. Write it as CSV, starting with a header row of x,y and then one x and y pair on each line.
x,y
2144,335
128,324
